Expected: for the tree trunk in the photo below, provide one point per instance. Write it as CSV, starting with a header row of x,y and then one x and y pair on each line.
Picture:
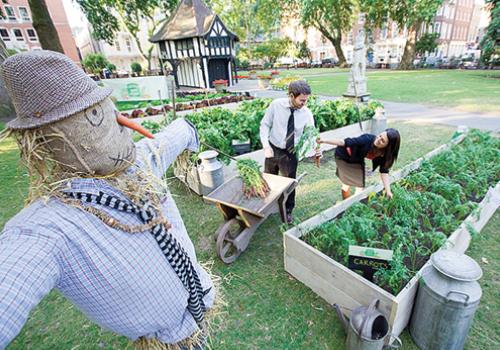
x,y
336,42
45,29
6,109
340,54
410,48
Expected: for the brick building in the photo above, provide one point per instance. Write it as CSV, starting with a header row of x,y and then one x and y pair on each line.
x,y
16,28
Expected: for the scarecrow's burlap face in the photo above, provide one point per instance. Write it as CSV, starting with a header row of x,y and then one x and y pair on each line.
x,y
91,142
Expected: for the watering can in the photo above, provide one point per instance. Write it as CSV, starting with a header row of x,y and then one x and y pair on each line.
x,y
367,328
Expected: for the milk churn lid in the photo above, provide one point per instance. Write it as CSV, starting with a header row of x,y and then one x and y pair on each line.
x,y
457,266
208,154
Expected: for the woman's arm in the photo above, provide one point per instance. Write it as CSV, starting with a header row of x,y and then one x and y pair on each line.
x,y
387,184
334,142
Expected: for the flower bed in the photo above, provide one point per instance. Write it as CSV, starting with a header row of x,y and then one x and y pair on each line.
x,y
181,96
220,84
282,83
428,205
195,104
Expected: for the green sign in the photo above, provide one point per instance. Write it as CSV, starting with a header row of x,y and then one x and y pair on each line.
x,y
133,90
366,260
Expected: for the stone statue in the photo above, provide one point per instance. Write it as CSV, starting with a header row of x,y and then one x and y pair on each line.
x,y
357,80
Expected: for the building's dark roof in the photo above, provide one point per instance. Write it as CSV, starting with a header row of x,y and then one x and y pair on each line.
x,y
192,18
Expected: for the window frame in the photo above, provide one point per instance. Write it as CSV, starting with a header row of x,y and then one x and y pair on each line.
x,y
16,37
30,38
28,19
8,35
8,18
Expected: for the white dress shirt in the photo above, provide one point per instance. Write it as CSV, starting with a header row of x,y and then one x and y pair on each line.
x,y
273,126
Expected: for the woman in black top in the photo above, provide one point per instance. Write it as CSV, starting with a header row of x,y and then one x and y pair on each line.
x,y
350,157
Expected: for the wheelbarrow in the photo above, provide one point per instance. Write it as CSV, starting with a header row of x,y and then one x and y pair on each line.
x,y
242,216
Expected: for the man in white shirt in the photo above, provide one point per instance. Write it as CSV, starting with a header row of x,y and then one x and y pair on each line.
x,y
281,129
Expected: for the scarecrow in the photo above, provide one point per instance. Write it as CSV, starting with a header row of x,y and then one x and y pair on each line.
x,y
100,225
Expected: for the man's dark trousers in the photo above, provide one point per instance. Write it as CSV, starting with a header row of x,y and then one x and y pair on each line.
x,y
285,163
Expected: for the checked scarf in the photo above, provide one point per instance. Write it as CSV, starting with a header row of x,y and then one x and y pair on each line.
x,y
175,254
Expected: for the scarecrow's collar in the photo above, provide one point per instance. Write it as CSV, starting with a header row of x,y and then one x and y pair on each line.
x,y
91,186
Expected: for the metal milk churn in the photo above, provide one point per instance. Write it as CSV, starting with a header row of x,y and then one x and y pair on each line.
x,y
210,171
447,298
367,328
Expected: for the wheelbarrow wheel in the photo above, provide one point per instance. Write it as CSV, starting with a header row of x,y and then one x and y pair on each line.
x,y
226,249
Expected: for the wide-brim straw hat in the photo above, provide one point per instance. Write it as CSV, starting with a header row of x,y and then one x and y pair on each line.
x,y
47,86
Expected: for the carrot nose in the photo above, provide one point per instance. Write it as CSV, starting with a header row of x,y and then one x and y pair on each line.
x,y
134,126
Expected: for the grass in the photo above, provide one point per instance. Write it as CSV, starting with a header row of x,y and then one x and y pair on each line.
x,y
466,90
266,308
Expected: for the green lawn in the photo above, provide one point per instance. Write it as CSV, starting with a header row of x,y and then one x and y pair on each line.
x,y
266,308
467,90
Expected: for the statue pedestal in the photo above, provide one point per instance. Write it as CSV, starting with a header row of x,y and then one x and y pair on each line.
x,y
360,98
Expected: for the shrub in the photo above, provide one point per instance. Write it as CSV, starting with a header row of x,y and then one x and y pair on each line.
x,y
136,67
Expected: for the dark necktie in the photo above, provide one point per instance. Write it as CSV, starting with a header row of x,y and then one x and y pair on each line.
x,y
290,132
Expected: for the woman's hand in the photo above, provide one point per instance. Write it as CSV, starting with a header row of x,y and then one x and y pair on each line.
x,y
389,194
318,141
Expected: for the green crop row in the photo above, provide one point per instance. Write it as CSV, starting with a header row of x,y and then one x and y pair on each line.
x,y
428,205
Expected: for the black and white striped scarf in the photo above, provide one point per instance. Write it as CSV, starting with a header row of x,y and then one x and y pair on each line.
x,y
173,251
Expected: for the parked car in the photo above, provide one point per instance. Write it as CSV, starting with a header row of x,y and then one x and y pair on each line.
x,y
452,63
315,64
328,62
469,65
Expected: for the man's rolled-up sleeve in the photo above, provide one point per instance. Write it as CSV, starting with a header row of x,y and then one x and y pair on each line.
x,y
29,269
158,154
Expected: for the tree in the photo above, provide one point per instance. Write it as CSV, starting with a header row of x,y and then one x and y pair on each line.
x,y
409,14
95,63
45,29
249,19
111,67
136,68
330,18
303,51
427,43
272,49
6,107
490,44
108,16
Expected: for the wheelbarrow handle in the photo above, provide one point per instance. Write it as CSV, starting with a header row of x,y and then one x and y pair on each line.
x,y
299,178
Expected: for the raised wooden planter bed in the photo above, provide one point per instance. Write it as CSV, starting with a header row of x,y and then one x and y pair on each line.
x,y
337,284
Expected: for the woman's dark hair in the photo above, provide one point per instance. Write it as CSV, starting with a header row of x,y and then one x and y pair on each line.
x,y
392,149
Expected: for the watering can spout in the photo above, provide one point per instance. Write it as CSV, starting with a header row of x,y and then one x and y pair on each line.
x,y
342,318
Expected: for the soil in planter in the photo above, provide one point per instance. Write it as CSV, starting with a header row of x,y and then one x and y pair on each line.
x,y
428,205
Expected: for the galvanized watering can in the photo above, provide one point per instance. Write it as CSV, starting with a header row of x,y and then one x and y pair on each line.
x,y
367,328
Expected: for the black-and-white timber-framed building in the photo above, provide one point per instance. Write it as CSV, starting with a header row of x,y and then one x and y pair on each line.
x,y
197,45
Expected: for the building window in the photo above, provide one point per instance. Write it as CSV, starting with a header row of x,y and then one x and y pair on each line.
x,y
117,45
187,44
18,34
23,12
9,11
4,33
128,43
383,33
437,28
218,42
31,34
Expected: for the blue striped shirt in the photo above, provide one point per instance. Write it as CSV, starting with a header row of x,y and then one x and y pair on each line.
x,y
119,280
